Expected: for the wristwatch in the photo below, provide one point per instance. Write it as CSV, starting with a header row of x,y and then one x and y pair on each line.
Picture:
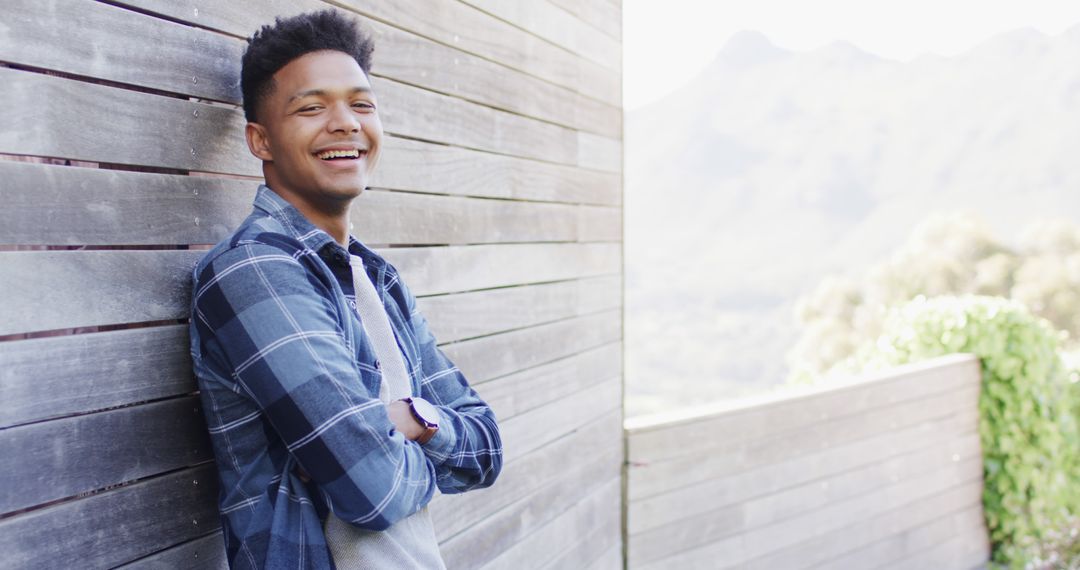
x,y
426,414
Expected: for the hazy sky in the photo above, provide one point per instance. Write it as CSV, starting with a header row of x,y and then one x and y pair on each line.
x,y
666,42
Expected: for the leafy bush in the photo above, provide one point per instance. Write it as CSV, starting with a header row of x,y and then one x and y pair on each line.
x,y
1028,413
1059,549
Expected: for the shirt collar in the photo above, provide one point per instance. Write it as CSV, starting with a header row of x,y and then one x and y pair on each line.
x,y
303,230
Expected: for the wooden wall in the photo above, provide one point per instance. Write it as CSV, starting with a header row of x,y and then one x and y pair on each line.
x,y
881,474
499,197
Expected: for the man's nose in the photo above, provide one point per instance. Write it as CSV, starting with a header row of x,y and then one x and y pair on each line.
x,y
342,118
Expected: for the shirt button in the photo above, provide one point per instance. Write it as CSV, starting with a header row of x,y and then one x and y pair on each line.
x,y
377,365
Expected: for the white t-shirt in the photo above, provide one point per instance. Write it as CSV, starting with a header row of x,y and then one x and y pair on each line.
x,y
410,542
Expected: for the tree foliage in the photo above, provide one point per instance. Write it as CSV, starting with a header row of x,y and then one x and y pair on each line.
x,y
946,255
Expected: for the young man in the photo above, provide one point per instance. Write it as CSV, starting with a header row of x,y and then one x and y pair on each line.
x,y
333,414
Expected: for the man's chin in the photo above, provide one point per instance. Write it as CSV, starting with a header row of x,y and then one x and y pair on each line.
x,y
344,191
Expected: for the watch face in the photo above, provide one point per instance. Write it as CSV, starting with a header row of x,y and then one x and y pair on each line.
x,y
426,411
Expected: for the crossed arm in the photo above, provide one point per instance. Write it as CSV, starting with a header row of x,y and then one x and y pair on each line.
x,y
401,416
275,333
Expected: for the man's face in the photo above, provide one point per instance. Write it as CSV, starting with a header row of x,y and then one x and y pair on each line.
x,y
318,133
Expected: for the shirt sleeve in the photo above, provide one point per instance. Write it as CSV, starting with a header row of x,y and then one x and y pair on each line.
x,y
467,449
274,327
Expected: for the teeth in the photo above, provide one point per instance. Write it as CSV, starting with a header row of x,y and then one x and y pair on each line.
x,y
325,155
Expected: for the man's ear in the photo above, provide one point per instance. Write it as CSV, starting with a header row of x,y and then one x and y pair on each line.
x,y
258,141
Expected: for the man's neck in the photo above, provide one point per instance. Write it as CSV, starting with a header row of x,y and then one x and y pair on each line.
x,y
337,225
332,220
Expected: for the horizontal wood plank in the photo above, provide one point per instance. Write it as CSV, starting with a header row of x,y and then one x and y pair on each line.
x,y
128,47
522,391
206,553
471,315
417,113
596,547
490,357
177,58
749,511
612,559
599,153
116,526
66,205
57,205
868,477
915,542
483,542
772,538
453,514
783,467
447,22
208,138
187,135
436,270
479,80
788,412
559,27
94,451
857,433
453,23
881,526
967,547
421,219
730,554
556,539
603,15
424,167
49,290
51,377
532,430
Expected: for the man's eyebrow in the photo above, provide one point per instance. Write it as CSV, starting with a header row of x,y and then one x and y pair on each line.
x,y
323,92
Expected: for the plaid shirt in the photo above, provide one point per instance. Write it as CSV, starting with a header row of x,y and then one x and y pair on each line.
x,y
288,378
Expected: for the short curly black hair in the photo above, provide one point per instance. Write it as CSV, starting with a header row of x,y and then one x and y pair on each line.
x,y
274,46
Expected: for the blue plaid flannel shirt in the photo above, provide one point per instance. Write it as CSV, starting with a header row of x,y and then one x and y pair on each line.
x,y
288,379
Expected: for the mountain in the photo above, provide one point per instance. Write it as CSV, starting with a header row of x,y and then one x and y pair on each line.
x,y
772,169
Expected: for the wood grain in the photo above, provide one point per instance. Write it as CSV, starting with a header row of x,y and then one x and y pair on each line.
x,y
207,137
446,22
116,526
205,553
55,205
51,377
66,457
176,58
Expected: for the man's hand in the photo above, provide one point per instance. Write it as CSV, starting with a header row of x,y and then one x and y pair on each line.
x,y
403,420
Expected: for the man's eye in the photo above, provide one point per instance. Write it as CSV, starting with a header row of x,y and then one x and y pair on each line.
x,y
309,108
364,106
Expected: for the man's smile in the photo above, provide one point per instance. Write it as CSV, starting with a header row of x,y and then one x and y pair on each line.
x,y
335,154
342,158
341,153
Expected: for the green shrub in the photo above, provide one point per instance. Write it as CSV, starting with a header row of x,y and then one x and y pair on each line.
x,y
1028,407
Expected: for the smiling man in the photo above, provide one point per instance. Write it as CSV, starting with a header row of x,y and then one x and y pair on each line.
x,y
333,415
